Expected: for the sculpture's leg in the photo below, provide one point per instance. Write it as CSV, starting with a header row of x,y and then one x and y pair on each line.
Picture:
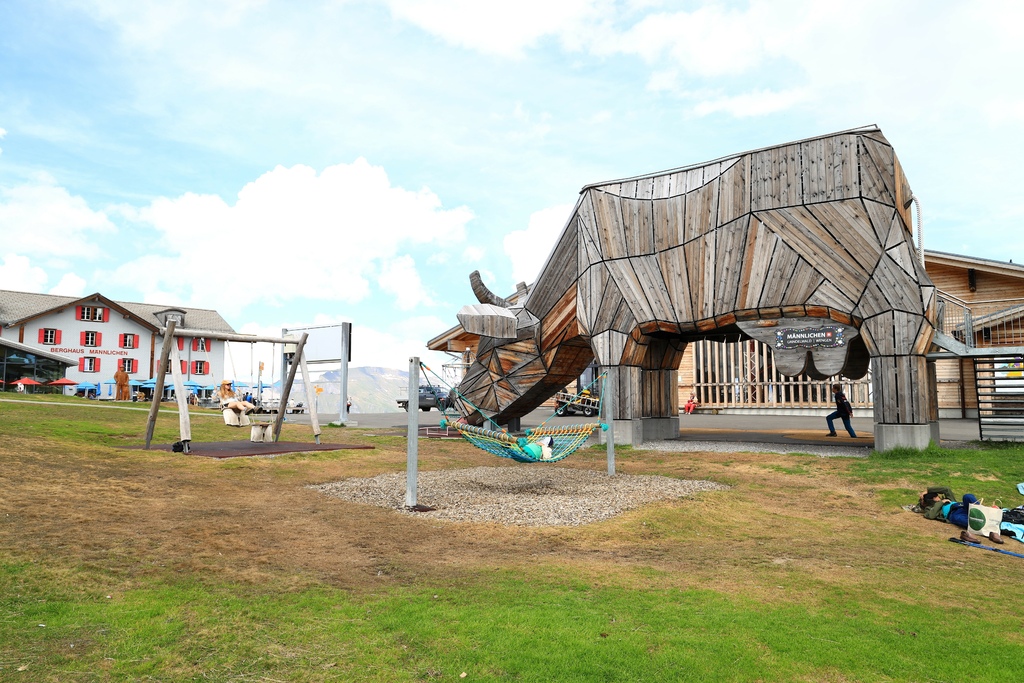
x,y
659,388
897,342
933,402
645,372
626,400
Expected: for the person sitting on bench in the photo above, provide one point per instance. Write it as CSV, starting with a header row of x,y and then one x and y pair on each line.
x,y
228,399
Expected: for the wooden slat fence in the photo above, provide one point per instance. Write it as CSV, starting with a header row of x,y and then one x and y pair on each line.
x,y
743,375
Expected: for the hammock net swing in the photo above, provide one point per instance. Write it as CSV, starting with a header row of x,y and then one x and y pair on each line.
x,y
541,444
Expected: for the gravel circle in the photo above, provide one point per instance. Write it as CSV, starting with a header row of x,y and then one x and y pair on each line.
x,y
680,446
517,496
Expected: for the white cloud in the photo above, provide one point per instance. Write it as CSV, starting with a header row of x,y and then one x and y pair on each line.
x,y
332,231
710,41
399,277
472,254
529,248
41,219
757,103
18,273
1004,110
3,134
504,29
371,347
392,348
70,285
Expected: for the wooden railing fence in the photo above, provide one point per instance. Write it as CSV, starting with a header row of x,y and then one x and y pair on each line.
x,y
742,375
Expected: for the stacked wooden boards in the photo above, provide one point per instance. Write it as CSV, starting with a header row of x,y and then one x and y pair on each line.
x,y
817,229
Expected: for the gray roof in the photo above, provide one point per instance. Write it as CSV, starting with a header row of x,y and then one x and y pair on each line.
x,y
17,306
29,348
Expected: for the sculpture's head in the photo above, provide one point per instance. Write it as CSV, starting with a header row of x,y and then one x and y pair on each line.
x,y
508,371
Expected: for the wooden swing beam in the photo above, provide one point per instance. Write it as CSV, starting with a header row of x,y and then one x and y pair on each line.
x,y
169,352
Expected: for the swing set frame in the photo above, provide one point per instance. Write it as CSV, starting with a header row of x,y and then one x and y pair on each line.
x,y
169,352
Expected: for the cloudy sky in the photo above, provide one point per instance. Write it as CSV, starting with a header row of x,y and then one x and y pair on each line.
x,y
313,161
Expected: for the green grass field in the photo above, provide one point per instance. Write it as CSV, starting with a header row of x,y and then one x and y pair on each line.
x,y
141,565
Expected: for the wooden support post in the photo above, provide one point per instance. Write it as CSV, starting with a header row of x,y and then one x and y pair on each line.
x,y
413,434
184,426
608,396
165,352
287,389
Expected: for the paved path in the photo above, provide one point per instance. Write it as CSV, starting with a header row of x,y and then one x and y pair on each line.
x,y
791,430
779,429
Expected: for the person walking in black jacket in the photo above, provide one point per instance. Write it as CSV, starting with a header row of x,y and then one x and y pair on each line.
x,y
843,410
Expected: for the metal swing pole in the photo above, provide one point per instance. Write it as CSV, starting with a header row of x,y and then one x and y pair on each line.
x,y
608,397
413,434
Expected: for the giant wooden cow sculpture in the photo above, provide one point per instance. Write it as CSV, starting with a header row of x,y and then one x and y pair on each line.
x,y
777,244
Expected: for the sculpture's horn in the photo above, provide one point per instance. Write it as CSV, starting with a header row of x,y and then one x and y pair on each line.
x,y
523,291
484,295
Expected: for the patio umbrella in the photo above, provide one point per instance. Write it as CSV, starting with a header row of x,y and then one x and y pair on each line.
x,y
62,382
192,384
27,381
134,383
86,385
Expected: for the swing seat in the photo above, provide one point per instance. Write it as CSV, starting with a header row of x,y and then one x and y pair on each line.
x,y
234,418
262,432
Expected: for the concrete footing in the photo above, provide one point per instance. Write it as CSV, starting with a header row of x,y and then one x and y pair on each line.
x,y
635,432
890,436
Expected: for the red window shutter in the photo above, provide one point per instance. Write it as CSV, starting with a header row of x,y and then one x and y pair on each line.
x,y
81,339
78,312
195,367
56,337
135,341
195,343
96,365
42,335
181,343
184,367
106,315
209,345
99,339
81,364
120,340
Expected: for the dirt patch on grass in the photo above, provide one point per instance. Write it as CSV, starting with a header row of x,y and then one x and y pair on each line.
x,y
788,524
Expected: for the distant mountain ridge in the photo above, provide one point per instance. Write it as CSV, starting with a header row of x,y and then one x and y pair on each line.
x,y
373,389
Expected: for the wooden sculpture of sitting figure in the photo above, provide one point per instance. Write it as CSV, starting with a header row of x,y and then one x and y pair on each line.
x,y
121,378
228,399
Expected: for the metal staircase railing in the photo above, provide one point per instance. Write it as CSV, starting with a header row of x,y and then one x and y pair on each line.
x,y
999,381
992,324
